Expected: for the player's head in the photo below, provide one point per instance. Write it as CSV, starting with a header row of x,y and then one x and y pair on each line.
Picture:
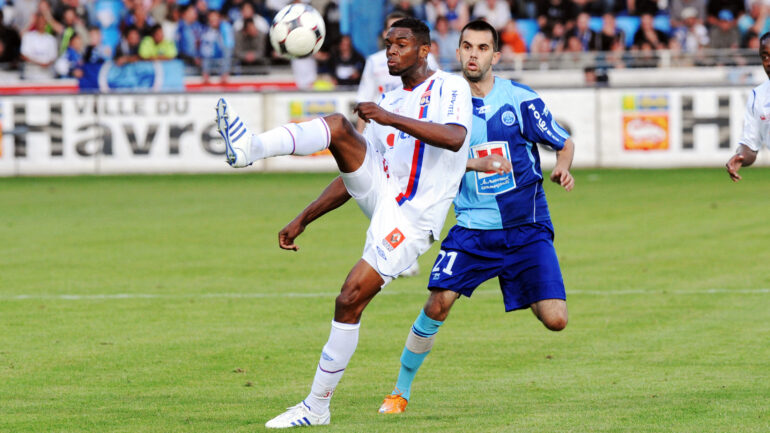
x,y
764,52
407,45
479,49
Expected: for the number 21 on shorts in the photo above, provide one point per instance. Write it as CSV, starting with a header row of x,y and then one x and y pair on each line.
x,y
450,256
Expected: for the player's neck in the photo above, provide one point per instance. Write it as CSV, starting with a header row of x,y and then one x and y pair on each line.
x,y
482,87
414,79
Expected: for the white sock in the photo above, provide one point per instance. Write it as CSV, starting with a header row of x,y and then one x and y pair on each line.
x,y
336,354
303,138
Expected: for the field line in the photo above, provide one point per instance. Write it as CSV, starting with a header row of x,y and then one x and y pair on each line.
x,y
486,292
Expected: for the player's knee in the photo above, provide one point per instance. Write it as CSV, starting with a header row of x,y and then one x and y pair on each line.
x,y
349,302
555,322
339,126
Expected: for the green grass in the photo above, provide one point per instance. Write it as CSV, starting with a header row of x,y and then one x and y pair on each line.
x,y
163,304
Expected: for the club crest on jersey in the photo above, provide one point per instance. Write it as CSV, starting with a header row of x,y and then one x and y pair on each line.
x,y
425,99
393,239
508,118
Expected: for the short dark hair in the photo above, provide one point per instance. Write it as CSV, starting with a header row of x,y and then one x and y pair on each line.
x,y
482,26
764,38
395,15
419,29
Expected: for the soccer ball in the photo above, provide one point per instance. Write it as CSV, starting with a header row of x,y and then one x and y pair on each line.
x,y
297,31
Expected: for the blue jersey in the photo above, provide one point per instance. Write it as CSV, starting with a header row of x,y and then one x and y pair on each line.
x,y
509,121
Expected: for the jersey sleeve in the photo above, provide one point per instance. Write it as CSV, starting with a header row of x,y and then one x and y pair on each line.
x,y
456,106
538,125
367,88
750,137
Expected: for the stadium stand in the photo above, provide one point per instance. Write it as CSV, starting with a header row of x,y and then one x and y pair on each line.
x,y
207,45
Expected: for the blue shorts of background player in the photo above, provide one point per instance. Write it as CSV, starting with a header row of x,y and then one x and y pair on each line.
x,y
522,258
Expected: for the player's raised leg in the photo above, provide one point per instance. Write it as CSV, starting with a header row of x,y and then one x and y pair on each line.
x,y
419,342
552,312
361,285
335,132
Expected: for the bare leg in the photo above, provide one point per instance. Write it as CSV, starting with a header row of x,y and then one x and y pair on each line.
x,y
552,312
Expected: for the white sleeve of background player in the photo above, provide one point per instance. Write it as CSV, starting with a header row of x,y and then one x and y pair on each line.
x,y
456,106
367,88
751,121
432,63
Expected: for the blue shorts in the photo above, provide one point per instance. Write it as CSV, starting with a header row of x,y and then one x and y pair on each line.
x,y
522,258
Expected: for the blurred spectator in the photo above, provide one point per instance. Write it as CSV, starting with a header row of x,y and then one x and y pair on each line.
x,y
550,11
70,25
96,51
610,35
643,7
346,63
77,5
331,16
448,40
648,34
455,11
756,19
495,12
23,16
550,39
170,22
139,18
250,45
155,46
583,35
11,41
217,44
70,63
188,36
404,6
108,14
714,7
511,40
38,50
676,7
203,10
161,10
750,41
248,13
725,34
692,36
128,48
591,7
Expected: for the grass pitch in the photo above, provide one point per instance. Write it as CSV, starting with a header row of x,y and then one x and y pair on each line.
x,y
163,304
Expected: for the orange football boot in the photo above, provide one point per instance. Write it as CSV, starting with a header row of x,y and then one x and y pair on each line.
x,y
393,403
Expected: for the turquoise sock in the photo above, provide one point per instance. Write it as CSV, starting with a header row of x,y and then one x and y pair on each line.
x,y
424,327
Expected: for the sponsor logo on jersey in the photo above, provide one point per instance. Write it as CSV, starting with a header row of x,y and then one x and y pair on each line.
x,y
483,109
381,253
493,183
452,101
508,118
393,239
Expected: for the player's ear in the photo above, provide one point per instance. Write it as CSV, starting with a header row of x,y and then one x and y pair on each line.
x,y
495,57
424,51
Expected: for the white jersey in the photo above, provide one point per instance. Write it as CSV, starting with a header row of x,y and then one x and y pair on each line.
x,y
376,80
756,121
428,177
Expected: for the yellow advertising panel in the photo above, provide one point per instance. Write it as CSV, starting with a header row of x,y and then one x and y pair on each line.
x,y
645,132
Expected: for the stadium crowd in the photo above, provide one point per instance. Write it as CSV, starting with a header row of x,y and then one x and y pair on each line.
x,y
44,39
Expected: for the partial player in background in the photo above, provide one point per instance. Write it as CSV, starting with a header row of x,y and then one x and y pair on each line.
x,y
503,225
403,174
376,78
755,122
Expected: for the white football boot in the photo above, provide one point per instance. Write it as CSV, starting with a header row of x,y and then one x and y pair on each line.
x,y
236,135
298,416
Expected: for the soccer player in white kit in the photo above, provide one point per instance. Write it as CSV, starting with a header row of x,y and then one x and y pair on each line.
x,y
403,173
756,122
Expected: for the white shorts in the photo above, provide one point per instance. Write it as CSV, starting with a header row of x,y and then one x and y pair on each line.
x,y
393,244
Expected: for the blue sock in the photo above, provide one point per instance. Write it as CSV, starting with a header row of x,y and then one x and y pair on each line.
x,y
417,347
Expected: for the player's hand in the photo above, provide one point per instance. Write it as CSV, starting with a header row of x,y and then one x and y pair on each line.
x,y
733,165
370,111
490,164
287,235
563,177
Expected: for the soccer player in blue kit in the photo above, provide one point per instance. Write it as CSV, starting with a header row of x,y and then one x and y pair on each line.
x,y
503,226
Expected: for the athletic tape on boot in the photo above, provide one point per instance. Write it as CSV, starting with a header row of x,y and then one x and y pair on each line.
x,y
417,344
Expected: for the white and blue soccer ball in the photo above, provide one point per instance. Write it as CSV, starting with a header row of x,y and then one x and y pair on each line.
x,y
298,30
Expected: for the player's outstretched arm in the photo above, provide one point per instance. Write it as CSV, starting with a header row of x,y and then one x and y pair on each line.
x,y
489,163
744,157
334,196
560,173
450,136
